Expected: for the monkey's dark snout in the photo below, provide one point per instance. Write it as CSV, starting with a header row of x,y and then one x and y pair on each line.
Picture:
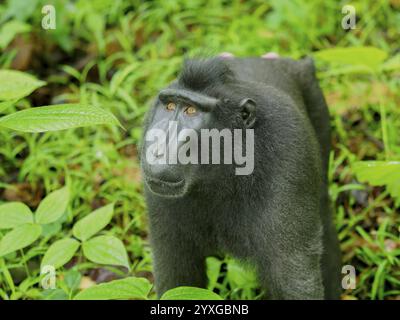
x,y
164,173
158,151
163,178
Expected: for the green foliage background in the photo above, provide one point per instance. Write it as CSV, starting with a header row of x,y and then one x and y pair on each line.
x,y
117,54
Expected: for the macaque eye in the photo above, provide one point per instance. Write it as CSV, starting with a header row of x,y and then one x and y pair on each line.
x,y
170,106
190,110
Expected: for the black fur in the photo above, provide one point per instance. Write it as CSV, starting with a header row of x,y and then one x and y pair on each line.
x,y
278,218
203,74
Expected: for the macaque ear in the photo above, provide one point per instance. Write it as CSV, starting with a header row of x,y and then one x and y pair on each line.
x,y
248,112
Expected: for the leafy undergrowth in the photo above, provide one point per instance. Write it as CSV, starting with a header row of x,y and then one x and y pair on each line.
x,y
116,56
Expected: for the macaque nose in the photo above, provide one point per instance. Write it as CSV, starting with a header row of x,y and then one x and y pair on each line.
x,y
159,150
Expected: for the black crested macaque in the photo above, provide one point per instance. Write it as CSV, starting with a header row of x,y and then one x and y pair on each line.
x,y
278,217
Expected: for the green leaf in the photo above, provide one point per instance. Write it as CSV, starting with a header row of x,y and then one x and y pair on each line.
x,y
367,57
190,293
16,85
93,223
379,278
53,206
10,29
6,104
213,271
20,9
60,252
57,117
128,288
392,64
72,279
96,24
54,294
120,76
106,250
239,276
365,235
14,214
346,70
19,238
380,173
51,229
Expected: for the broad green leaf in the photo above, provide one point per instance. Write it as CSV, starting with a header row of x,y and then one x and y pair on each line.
x,y
380,173
190,293
106,250
14,214
346,69
128,288
19,238
53,206
57,117
93,223
10,29
51,229
6,104
16,85
368,57
60,252
72,279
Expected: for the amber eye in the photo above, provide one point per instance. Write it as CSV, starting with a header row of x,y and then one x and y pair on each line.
x,y
170,106
190,110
